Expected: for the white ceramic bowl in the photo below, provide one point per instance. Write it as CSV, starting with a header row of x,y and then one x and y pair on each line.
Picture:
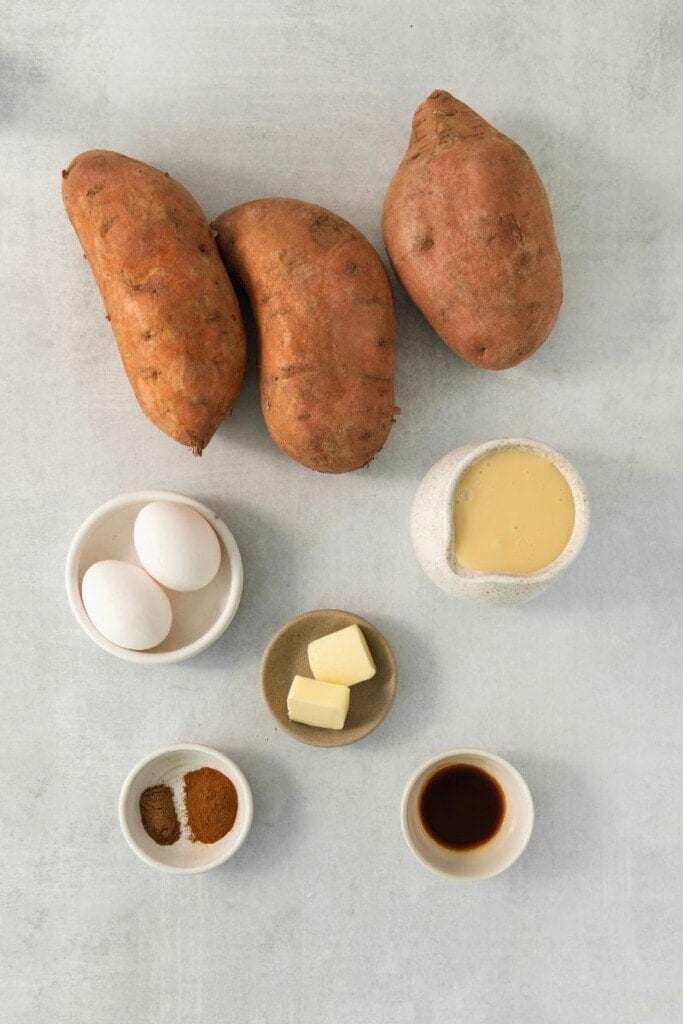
x,y
431,527
199,617
168,767
492,857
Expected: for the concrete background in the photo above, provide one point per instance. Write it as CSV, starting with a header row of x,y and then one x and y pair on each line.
x,y
324,915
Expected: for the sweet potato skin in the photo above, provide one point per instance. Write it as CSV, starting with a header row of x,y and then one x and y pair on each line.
x,y
325,321
171,305
468,229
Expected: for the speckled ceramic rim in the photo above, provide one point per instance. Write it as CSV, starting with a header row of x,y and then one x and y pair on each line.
x,y
581,511
150,657
452,757
244,797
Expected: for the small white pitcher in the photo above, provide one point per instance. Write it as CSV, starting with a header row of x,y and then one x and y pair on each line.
x,y
431,525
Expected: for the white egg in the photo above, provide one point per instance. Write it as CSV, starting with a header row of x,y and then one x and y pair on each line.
x,y
128,607
176,545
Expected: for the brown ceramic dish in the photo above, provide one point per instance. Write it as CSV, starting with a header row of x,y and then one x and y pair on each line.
x,y
287,656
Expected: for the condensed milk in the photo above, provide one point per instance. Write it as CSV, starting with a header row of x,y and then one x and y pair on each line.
x,y
500,521
513,513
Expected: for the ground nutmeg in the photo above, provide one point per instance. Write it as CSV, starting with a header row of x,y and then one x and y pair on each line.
x,y
158,815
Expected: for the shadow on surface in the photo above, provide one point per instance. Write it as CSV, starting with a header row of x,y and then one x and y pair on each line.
x,y
567,817
276,827
416,691
265,548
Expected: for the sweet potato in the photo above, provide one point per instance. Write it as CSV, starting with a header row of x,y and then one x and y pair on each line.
x,y
172,307
468,229
324,316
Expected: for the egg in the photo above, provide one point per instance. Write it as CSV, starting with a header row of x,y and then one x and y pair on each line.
x,y
176,545
127,607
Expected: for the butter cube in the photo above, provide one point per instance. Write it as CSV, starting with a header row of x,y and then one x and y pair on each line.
x,y
342,657
313,702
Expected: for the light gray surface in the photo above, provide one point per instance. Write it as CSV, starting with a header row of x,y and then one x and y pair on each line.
x,y
324,915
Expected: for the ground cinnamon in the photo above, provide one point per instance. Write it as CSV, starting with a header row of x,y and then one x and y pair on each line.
x,y
158,815
210,803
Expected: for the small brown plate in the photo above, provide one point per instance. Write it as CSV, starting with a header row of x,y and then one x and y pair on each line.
x,y
286,656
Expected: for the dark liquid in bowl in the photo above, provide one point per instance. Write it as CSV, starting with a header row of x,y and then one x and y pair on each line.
x,y
462,806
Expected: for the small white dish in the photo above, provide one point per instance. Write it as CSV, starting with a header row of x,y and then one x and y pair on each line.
x,y
167,767
493,857
200,617
431,527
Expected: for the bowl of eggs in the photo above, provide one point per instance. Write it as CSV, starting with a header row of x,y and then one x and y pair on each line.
x,y
154,577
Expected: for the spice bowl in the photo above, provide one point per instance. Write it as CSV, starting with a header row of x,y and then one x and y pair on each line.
x,y
168,767
200,617
500,851
431,527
